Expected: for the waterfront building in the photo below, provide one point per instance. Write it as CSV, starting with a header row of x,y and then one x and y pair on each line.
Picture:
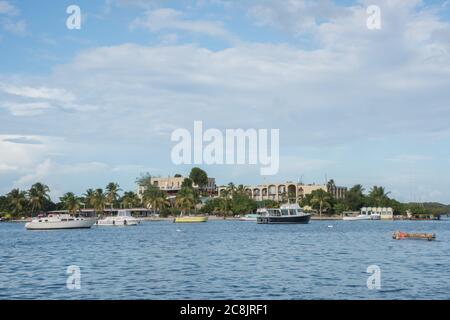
x,y
172,185
385,213
288,190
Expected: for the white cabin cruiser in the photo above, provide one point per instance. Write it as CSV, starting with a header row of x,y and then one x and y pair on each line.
x,y
60,221
123,218
363,216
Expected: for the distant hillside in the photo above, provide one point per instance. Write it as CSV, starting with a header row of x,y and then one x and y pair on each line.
x,y
430,207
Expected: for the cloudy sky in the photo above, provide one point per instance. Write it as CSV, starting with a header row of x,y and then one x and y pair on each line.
x,y
81,108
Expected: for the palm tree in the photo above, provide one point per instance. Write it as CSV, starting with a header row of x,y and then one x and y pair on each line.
x,y
17,200
321,198
130,200
112,193
231,188
88,198
331,187
71,202
37,195
354,198
186,199
378,195
99,201
157,203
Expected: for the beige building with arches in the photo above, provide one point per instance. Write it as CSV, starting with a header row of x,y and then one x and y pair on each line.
x,y
288,190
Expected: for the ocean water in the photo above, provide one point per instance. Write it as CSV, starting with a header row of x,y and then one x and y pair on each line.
x,y
227,260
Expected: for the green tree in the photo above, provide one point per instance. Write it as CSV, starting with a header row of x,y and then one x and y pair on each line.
x,y
187,183
130,200
186,199
157,203
378,196
199,177
4,205
355,198
321,199
88,198
37,196
112,193
242,204
339,207
17,200
99,201
71,202
144,180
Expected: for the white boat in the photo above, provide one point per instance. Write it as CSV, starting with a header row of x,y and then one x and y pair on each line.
x,y
375,216
372,216
250,217
358,217
123,218
60,221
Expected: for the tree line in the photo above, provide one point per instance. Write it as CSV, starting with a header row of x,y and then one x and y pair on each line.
x,y
193,198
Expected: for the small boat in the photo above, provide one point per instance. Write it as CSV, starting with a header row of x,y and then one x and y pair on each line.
x,y
358,217
398,235
250,217
60,221
363,216
123,218
190,219
287,213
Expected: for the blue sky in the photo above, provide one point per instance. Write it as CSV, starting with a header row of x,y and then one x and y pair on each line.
x,y
81,108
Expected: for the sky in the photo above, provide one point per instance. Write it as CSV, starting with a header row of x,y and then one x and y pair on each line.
x,y
83,107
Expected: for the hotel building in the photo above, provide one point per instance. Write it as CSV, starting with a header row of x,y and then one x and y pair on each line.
x,y
173,184
288,190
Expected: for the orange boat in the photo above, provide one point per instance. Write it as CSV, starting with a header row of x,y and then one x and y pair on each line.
x,y
398,235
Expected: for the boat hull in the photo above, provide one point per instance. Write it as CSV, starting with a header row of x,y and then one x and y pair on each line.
x,y
117,223
57,225
248,219
190,219
358,218
303,219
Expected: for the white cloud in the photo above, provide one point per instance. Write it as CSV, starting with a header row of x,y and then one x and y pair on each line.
x,y
295,16
7,8
18,27
410,158
173,20
61,95
15,154
6,168
27,109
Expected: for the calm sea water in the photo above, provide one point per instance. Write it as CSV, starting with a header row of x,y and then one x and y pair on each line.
x,y
227,260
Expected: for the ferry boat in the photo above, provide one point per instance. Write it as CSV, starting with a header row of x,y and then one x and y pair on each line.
x,y
60,221
287,213
123,218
